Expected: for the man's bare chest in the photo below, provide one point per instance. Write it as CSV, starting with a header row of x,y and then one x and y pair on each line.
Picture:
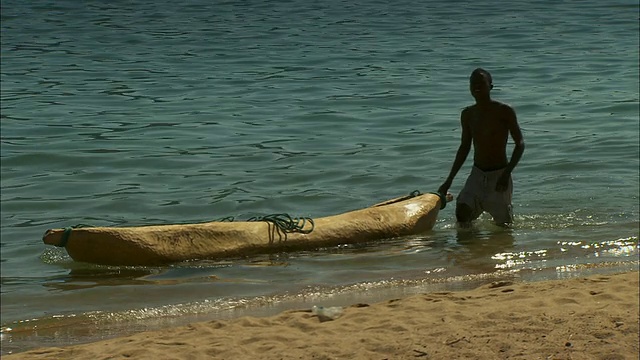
x,y
487,125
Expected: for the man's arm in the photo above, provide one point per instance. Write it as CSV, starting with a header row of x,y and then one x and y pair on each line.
x,y
516,134
461,155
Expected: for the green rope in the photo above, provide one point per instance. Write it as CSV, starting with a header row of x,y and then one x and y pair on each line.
x,y
413,194
283,224
67,232
443,199
226,219
287,224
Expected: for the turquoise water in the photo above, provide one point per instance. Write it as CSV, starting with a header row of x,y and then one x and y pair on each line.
x,y
130,113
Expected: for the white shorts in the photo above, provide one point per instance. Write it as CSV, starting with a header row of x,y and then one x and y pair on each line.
x,y
479,193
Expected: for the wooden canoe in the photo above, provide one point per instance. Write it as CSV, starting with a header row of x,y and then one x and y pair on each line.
x,y
164,244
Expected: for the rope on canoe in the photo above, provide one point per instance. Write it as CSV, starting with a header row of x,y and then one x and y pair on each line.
x,y
286,223
226,219
67,232
443,199
414,193
282,224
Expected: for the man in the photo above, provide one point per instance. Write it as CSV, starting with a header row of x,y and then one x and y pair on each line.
x,y
487,125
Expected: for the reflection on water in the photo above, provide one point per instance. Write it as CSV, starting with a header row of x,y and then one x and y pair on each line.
x,y
86,278
477,249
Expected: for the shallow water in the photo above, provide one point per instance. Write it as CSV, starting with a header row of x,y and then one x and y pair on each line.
x,y
147,113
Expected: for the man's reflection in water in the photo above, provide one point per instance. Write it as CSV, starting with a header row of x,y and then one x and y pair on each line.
x,y
478,247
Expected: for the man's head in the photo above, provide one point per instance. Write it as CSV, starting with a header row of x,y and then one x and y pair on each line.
x,y
480,84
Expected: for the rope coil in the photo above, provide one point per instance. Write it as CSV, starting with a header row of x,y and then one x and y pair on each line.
x,y
282,224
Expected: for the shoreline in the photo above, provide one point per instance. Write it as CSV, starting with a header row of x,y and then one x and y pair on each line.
x,y
590,317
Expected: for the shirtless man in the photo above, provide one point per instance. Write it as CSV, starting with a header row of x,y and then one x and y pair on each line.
x,y
486,125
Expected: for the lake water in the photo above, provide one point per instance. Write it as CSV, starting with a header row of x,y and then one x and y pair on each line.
x,y
155,112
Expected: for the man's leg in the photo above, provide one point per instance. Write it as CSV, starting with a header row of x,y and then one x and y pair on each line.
x,y
500,206
503,216
464,215
467,206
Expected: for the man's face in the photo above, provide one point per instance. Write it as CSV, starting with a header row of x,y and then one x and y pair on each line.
x,y
479,86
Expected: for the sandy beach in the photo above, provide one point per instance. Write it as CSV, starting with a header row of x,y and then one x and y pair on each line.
x,y
592,317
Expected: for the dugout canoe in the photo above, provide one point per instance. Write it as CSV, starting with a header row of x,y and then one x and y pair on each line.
x,y
163,244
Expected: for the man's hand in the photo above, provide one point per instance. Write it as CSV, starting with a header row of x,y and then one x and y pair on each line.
x,y
449,197
503,182
444,188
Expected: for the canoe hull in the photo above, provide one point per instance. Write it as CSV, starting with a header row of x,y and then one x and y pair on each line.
x,y
164,244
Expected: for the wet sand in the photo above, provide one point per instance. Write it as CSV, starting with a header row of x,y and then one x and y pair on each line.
x,y
593,317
